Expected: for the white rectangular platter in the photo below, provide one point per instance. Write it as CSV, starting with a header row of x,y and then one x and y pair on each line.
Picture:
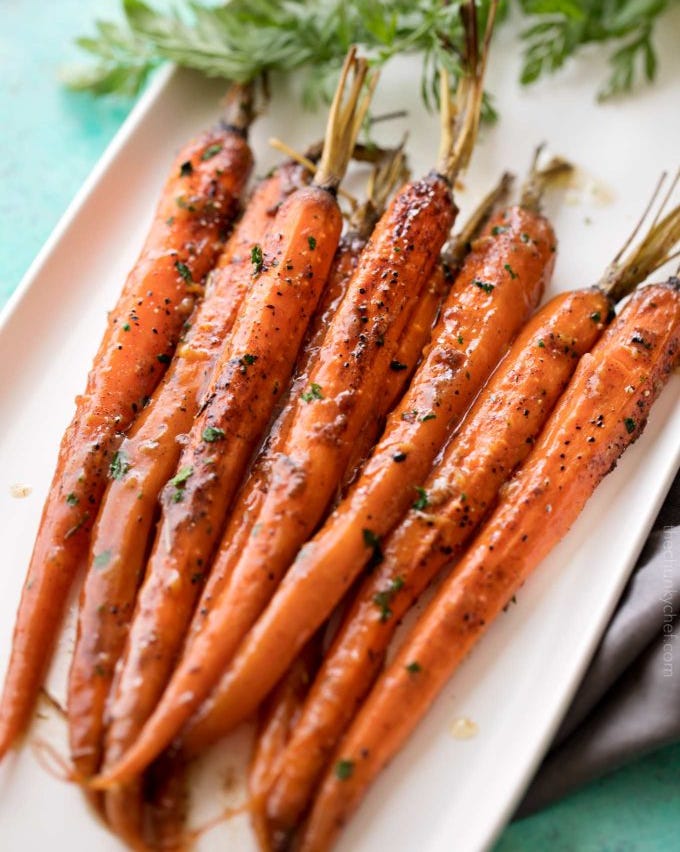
x,y
440,793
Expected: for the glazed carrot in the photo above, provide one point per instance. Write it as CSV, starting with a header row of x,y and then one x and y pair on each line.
x,y
279,719
282,708
494,438
166,801
150,453
330,413
464,350
485,309
603,410
290,270
419,332
199,201
247,505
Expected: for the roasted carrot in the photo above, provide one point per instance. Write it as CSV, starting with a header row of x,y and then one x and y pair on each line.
x,y
494,438
290,270
279,718
603,410
150,453
166,797
283,706
484,311
330,412
419,331
247,505
199,201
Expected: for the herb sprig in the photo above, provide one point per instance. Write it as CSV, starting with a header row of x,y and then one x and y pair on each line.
x,y
244,39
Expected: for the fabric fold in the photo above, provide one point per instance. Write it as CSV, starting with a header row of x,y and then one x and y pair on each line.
x,y
629,701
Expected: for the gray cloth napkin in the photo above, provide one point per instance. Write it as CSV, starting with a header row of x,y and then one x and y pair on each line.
x,y
629,701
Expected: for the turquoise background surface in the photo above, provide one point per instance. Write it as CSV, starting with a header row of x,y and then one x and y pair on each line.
x,y
49,141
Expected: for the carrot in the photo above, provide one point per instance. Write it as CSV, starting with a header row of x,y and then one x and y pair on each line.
x,y
603,410
199,201
485,309
167,803
283,706
290,270
419,332
150,452
494,438
329,416
249,501
278,721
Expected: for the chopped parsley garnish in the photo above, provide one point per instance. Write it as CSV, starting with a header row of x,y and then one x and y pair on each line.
x,y
397,366
184,271
256,258
179,481
72,499
629,423
399,457
541,344
126,326
311,242
314,392
246,361
182,202
384,598
102,559
596,317
498,229
483,285
422,502
186,169
181,477
163,358
525,238
119,465
344,769
212,434
211,151
413,668
426,417
511,272
460,339
371,540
